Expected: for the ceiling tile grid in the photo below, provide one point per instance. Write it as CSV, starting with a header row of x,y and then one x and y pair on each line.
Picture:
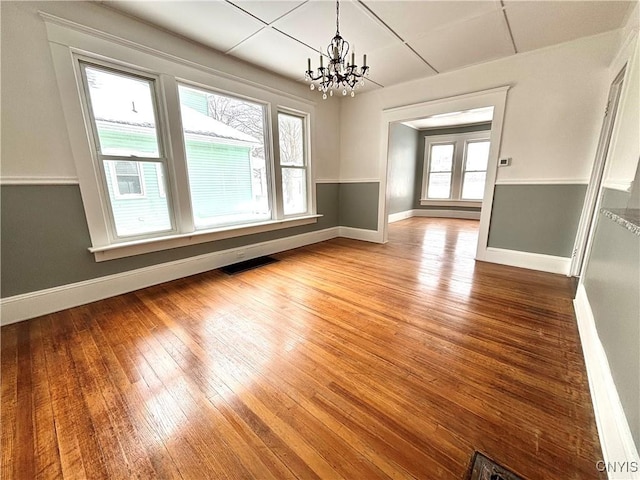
x,y
403,39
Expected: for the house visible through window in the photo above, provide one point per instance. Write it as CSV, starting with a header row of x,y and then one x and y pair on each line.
x,y
293,163
455,167
123,115
219,171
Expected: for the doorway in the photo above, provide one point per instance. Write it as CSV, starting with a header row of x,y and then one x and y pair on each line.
x,y
494,99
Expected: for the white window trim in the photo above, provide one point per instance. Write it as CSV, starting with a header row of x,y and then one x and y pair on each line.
x,y
460,141
68,39
305,117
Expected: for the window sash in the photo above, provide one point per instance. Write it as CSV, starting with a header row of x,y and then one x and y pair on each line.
x,y
304,122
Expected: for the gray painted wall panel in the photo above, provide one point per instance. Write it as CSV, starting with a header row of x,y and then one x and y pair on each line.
x,y
612,282
403,155
536,218
45,238
358,205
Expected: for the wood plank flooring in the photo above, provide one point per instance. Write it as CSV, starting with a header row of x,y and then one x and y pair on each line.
x,y
343,360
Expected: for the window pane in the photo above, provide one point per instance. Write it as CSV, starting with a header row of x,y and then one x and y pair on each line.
x,y
137,199
441,158
224,142
439,185
122,107
290,131
473,186
294,189
477,155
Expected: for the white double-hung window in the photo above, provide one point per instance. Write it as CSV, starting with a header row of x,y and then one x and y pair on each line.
x,y
455,169
170,153
122,112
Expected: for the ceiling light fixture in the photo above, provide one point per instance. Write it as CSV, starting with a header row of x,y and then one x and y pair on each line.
x,y
339,74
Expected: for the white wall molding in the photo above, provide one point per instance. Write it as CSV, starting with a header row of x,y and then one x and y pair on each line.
x,y
613,429
396,217
327,180
29,305
543,181
622,185
359,180
361,234
464,214
532,261
35,180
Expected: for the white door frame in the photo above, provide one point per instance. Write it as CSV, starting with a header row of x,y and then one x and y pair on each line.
x,y
591,201
496,98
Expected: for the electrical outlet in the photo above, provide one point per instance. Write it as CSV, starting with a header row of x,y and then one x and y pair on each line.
x,y
240,254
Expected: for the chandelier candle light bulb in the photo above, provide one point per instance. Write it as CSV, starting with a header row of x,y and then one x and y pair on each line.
x,y
339,73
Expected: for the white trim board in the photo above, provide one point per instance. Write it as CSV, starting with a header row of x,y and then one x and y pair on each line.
x,y
374,236
464,214
613,429
34,304
424,212
532,261
543,181
37,180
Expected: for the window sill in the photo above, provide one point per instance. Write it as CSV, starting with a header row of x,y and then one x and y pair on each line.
x,y
148,245
450,203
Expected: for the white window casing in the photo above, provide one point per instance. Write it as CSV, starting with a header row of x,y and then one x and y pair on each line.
x,y
72,44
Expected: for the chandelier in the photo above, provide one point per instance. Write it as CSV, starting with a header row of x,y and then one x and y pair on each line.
x,y
339,74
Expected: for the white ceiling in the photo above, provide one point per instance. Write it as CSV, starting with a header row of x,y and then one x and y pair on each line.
x,y
466,117
403,40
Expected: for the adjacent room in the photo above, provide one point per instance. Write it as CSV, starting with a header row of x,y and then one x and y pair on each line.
x,y
304,239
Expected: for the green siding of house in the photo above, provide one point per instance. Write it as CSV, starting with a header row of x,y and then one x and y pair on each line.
x,y
219,178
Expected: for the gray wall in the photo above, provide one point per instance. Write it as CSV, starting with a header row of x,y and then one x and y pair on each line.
x,y
403,156
44,238
612,282
536,218
420,162
358,205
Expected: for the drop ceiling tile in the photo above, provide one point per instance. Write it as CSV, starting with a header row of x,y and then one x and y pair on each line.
x,y
396,64
268,10
274,51
314,23
536,24
216,24
465,43
411,19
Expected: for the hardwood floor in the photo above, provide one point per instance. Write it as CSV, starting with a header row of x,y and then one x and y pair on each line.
x,y
343,360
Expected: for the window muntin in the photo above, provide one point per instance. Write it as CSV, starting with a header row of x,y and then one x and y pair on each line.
x,y
475,169
122,111
291,132
440,170
226,158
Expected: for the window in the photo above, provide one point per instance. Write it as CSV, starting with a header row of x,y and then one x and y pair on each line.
x,y
177,163
126,178
225,150
475,169
122,112
293,163
455,168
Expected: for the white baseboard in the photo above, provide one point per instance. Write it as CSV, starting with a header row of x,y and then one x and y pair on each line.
x,y
613,429
33,304
532,261
396,217
361,234
464,214
420,212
